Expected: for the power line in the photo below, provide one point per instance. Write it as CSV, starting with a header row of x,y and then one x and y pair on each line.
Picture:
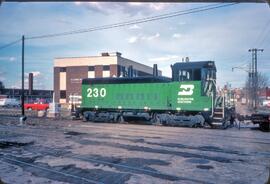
x,y
137,21
243,64
262,43
9,44
263,35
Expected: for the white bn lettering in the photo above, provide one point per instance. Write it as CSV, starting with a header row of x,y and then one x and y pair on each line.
x,y
186,89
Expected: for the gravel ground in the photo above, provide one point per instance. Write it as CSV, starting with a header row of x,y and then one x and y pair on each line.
x,y
65,151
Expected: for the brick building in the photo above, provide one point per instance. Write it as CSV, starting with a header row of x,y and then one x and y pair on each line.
x,y
69,72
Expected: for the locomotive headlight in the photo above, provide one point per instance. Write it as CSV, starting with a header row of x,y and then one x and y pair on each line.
x,y
206,109
178,108
96,107
119,107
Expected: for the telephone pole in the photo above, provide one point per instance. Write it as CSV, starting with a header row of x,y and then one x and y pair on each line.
x,y
254,76
22,97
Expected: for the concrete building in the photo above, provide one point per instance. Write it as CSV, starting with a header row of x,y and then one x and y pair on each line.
x,y
69,72
31,94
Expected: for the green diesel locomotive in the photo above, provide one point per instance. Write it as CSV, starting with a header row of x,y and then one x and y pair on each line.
x,y
187,99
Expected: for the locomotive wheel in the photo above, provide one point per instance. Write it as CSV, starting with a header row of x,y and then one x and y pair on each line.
x,y
85,117
116,119
155,119
119,119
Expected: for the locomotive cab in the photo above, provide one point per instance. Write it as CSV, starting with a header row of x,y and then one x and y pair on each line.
x,y
204,71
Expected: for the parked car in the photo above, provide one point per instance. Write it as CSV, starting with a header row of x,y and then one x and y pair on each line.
x,y
243,101
263,119
36,106
9,102
266,103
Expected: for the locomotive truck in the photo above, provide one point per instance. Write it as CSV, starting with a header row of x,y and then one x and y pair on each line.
x,y
187,99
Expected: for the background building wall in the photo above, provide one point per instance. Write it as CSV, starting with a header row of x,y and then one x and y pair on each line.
x,y
136,66
56,83
74,78
98,71
85,61
113,69
69,72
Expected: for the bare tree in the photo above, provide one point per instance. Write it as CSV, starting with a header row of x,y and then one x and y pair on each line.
x,y
263,81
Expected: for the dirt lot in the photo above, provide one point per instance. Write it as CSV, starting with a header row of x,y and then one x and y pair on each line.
x,y
65,151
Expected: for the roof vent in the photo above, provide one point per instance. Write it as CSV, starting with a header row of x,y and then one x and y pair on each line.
x,y
118,54
155,70
115,54
105,54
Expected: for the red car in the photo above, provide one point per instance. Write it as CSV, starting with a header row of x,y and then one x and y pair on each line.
x,y
36,106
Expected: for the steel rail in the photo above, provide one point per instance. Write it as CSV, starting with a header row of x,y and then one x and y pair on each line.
x,y
49,170
107,163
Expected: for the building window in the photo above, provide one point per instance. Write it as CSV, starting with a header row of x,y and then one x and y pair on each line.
x,y
63,94
135,74
91,68
106,68
121,71
63,69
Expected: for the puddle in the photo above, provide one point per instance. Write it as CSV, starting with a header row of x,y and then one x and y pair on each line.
x,y
74,133
12,143
200,148
138,166
155,150
205,167
131,136
43,150
197,161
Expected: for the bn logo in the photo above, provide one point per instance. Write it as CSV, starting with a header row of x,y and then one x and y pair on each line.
x,y
186,89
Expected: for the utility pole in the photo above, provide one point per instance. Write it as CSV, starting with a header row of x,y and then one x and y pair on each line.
x,y
22,98
254,76
249,92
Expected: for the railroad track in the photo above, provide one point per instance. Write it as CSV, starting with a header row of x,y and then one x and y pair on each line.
x,y
57,133
16,162
125,168
140,131
169,132
136,128
162,146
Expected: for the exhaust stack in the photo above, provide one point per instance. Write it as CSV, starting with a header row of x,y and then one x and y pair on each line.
x,y
155,70
30,83
130,71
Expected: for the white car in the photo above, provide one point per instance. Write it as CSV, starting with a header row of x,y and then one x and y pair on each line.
x,y
266,103
9,102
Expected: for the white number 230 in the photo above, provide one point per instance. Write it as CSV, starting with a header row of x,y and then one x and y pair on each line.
x,y
95,92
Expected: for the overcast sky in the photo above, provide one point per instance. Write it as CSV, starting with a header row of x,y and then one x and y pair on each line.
x,y
222,35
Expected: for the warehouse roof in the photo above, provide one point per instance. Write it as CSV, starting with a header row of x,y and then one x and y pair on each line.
x,y
146,79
